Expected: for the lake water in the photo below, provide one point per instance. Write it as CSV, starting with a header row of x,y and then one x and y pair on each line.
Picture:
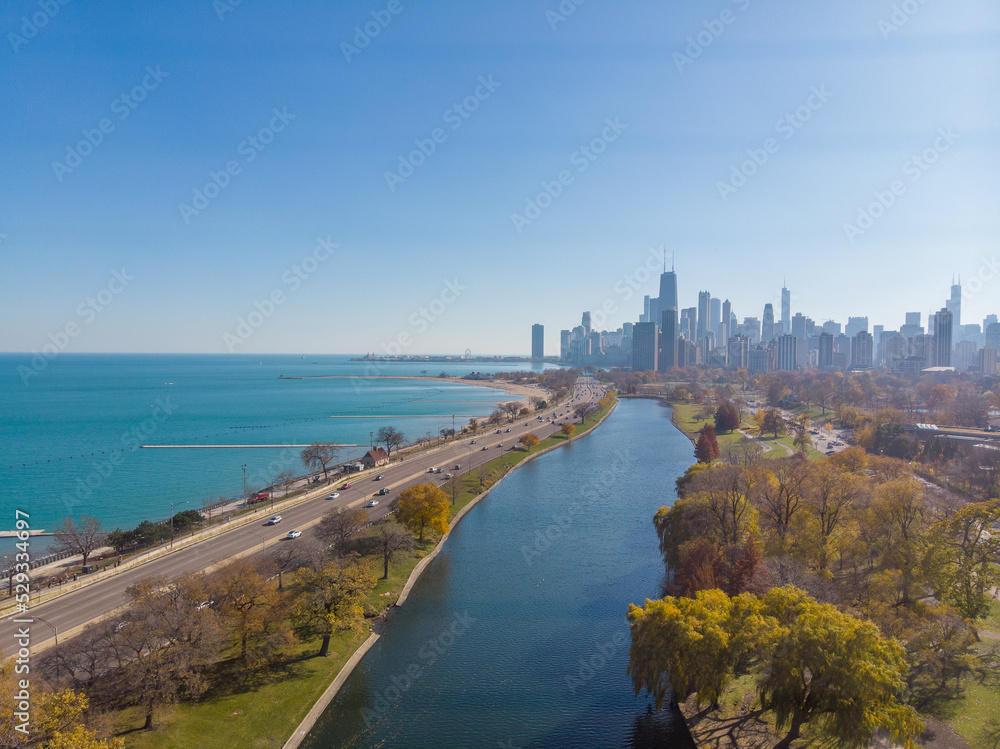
x,y
70,429
515,636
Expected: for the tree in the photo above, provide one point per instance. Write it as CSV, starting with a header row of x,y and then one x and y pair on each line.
x,y
967,554
830,494
253,613
727,418
423,507
163,642
529,440
454,486
779,491
496,416
772,421
319,456
284,478
512,409
339,527
582,411
390,541
390,437
332,599
567,429
537,402
474,426
82,738
80,539
703,449
803,440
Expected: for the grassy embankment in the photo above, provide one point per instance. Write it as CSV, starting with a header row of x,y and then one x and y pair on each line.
x,y
691,417
226,717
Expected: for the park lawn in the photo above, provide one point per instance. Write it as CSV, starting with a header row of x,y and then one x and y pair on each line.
x,y
812,453
267,716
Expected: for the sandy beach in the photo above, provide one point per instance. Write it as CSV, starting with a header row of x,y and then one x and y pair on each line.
x,y
510,388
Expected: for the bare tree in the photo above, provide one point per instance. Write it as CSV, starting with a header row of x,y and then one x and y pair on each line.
x,y
79,539
286,558
454,487
319,455
583,411
482,473
390,437
537,402
284,478
512,409
391,540
339,527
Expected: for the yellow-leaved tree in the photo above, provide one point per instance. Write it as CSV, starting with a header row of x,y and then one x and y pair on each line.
x,y
423,507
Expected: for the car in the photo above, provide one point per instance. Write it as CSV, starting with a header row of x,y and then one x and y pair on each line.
x,y
439,470
382,492
830,452
379,477
485,447
333,496
458,467
203,605
500,445
498,431
275,520
346,486
372,503
473,442
432,469
508,429
293,534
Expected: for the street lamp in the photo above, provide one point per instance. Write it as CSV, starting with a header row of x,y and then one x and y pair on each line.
x,y
244,483
52,626
172,520
260,536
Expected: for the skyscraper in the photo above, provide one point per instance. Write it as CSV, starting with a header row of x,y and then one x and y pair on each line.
x,y
786,309
788,352
668,339
586,323
942,338
767,331
862,349
855,325
826,350
799,326
704,314
716,316
725,324
644,317
645,347
954,305
538,341
668,290
564,345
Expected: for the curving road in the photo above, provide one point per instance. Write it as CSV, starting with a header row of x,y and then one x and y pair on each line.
x,y
74,610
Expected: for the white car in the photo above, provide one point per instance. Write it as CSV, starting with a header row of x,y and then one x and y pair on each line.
x,y
293,534
432,469
275,520
333,496
372,503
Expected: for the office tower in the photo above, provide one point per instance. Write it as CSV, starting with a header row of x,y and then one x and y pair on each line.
x,y
537,341
913,318
954,305
992,332
942,338
831,327
726,326
644,317
759,360
716,306
704,314
799,326
669,323
855,325
751,329
788,352
966,355
786,308
825,350
645,347
654,310
564,345
862,350
987,361
627,330
586,323
668,289
707,345
596,343
767,329
737,350
989,320
689,322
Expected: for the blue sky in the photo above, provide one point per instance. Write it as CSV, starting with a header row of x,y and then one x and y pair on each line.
x,y
433,259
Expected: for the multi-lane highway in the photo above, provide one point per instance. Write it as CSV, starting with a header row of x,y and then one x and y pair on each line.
x,y
70,612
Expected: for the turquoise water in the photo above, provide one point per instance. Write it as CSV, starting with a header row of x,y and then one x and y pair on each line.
x,y
515,636
70,431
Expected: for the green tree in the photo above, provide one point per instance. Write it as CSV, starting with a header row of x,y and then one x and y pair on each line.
x,y
423,507
966,552
332,599
727,417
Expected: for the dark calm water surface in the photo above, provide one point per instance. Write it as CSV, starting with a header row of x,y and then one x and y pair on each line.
x,y
515,636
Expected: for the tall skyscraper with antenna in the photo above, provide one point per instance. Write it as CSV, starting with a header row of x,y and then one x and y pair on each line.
x,y
954,304
668,286
786,308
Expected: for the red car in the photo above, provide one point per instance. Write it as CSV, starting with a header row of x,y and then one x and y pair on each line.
x,y
346,486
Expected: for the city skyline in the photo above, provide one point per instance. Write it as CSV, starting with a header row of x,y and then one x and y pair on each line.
x,y
286,166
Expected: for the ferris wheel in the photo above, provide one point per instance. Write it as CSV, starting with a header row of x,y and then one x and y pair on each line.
x,y
468,353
